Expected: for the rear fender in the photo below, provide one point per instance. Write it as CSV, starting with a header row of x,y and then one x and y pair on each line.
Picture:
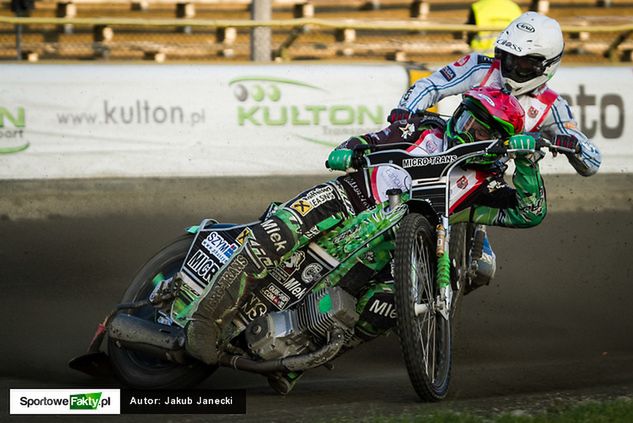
x,y
205,223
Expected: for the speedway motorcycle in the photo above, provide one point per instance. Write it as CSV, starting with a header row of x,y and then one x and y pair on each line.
x,y
298,317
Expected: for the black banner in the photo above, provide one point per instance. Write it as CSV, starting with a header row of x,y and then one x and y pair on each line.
x,y
231,401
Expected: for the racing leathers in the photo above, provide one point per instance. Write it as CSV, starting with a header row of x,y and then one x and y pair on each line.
x,y
545,110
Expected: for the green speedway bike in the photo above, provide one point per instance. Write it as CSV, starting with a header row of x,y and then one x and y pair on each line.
x,y
299,317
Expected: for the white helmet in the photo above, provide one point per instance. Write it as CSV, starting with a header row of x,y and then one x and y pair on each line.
x,y
529,49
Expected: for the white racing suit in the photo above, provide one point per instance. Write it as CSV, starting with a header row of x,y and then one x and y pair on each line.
x,y
545,110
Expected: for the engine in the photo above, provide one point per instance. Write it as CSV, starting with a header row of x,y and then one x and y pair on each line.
x,y
291,332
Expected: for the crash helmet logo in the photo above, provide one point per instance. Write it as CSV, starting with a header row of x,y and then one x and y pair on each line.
x,y
485,98
525,27
509,44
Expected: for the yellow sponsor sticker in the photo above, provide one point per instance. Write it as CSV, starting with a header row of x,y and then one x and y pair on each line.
x,y
302,207
246,233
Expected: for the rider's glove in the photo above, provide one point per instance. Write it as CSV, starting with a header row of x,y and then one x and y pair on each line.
x,y
340,159
398,114
567,141
523,142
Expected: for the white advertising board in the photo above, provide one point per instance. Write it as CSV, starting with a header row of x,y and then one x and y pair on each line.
x,y
601,99
68,121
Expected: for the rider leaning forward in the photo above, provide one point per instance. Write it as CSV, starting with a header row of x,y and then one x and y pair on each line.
x,y
527,55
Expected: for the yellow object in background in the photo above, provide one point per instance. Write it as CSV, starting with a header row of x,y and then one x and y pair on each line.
x,y
414,75
489,13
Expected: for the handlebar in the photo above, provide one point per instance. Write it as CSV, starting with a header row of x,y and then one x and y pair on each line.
x,y
541,142
499,147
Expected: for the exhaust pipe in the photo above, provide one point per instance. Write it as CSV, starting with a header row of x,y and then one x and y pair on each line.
x,y
294,363
168,342
134,333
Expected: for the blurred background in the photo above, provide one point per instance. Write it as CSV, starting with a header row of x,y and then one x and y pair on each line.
x,y
596,31
123,122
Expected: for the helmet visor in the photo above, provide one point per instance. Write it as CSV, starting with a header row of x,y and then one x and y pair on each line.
x,y
469,128
521,68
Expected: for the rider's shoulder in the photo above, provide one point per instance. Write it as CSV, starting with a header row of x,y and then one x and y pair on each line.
x,y
472,60
547,94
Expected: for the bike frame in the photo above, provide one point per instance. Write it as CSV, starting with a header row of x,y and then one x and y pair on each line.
x,y
431,182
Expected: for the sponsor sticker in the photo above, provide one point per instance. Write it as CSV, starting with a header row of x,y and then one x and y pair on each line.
x,y
312,199
276,296
219,247
311,273
302,207
532,112
481,59
462,61
462,182
432,144
274,235
428,161
407,130
253,308
447,73
64,401
246,233
202,265
282,273
407,95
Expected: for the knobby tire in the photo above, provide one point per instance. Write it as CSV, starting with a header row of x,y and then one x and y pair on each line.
x,y
138,370
426,351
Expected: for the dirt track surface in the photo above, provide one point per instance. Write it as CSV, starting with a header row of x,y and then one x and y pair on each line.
x,y
555,325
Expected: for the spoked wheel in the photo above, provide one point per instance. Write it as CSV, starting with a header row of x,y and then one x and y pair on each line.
x,y
425,335
139,370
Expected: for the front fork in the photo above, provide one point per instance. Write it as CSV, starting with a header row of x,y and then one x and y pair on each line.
x,y
443,274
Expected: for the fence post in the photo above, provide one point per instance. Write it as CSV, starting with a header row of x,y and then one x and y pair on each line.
x,y
261,10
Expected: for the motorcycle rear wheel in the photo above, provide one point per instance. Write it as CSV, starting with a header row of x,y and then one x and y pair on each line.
x,y
142,371
425,336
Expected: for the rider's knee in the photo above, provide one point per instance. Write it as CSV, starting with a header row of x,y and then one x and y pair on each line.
x,y
536,217
532,216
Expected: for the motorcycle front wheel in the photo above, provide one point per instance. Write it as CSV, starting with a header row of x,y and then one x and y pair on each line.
x,y
425,335
143,371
